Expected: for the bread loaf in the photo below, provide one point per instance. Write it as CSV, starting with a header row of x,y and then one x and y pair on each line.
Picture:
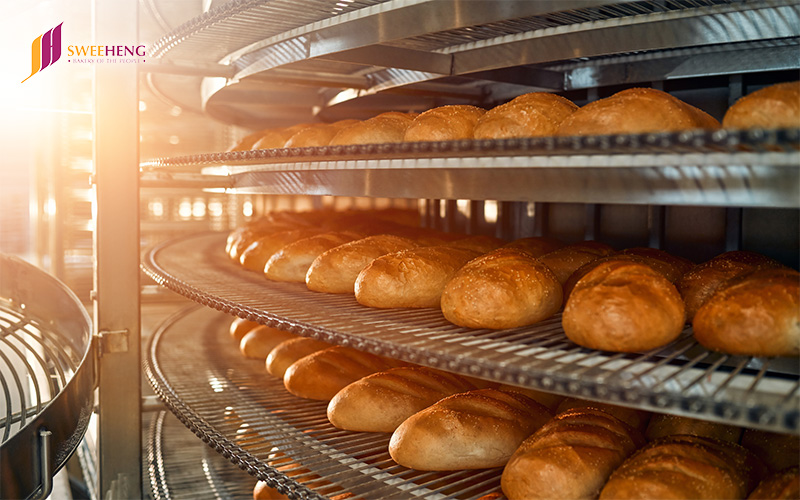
x,y
317,135
776,106
262,491
322,374
571,456
444,123
246,143
783,485
239,327
699,283
634,417
257,253
258,342
634,111
755,314
283,355
566,260
662,425
776,449
624,307
410,278
386,127
505,288
336,270
276,137
690,467
536,245
470,430
291,262
547,399
479,243
382,401
529,115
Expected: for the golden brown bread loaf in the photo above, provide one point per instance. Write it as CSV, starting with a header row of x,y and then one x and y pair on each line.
x,y
662,425
504,288
276,137
546,399
530,115
257,253
317,135
755,314
566,260
777,450
382,401
240,326
634,417
445,123
386,127
623,306
283,355
410,278
571,456
258,342
699,283
480,243
536,245
689,467
291,262
246,143
336,270
262,491
470,430
776,106
634,111
322,374
783,485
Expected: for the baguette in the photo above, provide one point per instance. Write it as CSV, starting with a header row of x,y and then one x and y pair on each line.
x,y
410,278
258,342
471,430
255,256
623,306
571,456
444,123
776,106
322,374
755,314
382,401
783,485
635,111
389,127
239,327
566,260
291,262
690,467
336,270
505,288
282,356
662,425
529,115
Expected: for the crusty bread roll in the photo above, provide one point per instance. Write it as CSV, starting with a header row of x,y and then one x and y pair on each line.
x,y
571,456
689,467
783,485
634,417
566,260
547,399
277,137
634,111
240,326
445,123
479,242
386,127
257,253
776,106
662,425
291,262
504,288
410,278
322,374
776,449
470,430
382,401
536,245
623,306
699,283
755,314
336,270
283,355
258,342
530,115
317,135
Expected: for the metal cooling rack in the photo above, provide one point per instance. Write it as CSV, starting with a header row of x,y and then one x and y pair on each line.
x,y
249,418
681,378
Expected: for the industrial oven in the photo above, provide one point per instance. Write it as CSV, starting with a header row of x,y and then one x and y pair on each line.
x,y
257,64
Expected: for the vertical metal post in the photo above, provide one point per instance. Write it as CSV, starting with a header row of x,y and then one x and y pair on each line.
x,y
116,255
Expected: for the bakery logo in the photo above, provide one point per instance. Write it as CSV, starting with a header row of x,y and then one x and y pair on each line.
x,y
45,50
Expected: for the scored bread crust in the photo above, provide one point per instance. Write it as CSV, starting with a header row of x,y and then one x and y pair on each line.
x,y
533,114
291,262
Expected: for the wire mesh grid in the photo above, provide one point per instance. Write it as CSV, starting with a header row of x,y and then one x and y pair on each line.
x,y
681,377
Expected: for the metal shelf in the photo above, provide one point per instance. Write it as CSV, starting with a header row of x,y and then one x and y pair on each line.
x,y
681,378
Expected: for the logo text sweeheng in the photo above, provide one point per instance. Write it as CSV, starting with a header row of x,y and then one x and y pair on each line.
x,y
106,50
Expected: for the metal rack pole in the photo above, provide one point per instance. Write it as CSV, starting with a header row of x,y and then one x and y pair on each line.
x,y
116,252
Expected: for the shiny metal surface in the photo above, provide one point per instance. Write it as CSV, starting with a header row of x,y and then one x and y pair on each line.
x,y
46,377
681,378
